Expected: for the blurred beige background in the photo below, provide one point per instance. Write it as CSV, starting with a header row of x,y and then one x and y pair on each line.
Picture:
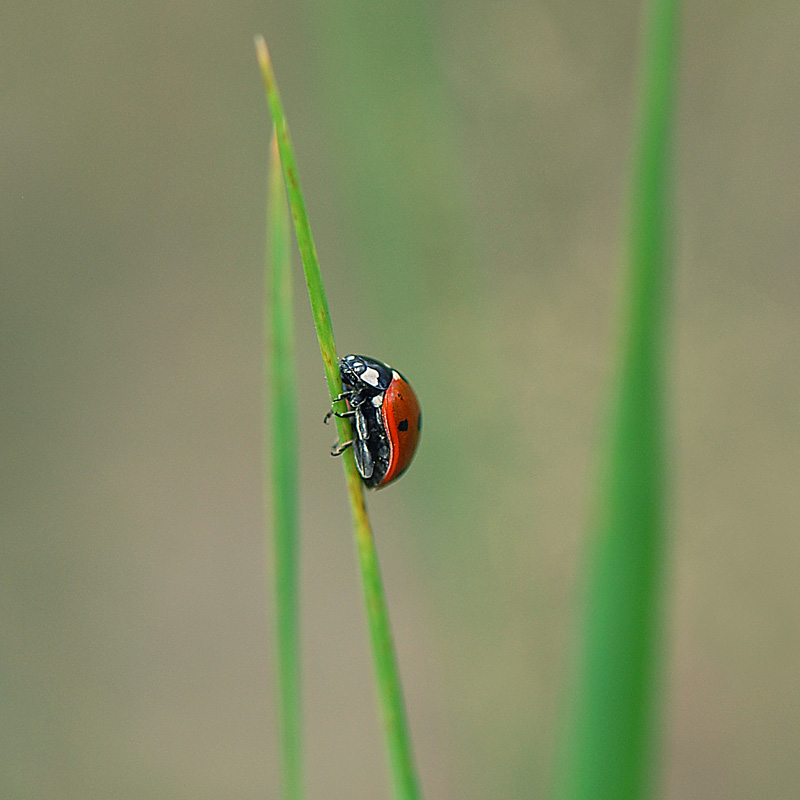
x,y
465,168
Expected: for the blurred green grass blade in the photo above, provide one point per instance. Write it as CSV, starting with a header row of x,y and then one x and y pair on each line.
x,y
612,734
398,741
281,414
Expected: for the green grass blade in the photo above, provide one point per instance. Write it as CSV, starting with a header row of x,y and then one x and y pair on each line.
x,y
612,735
398,742
281,413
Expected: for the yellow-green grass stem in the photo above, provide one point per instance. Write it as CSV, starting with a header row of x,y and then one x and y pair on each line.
x,y
398,741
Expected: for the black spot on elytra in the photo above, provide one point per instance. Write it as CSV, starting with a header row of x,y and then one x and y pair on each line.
x,y
402,425
419,422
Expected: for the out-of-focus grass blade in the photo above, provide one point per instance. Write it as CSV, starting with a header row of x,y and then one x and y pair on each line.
x,y
612,732
398,741
281,414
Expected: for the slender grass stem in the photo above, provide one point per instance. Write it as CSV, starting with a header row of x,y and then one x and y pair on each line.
x,y
398,741
281,412
612,735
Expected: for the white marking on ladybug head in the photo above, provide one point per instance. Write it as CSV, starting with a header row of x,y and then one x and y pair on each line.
x,y
377,401
370,376
395,375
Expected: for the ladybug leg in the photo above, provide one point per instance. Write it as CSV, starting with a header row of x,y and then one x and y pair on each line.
x,y
338,449
340,414
364,460
343,396
333,413
362,428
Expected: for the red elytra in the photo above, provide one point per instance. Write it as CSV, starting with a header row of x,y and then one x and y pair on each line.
x,y
402,418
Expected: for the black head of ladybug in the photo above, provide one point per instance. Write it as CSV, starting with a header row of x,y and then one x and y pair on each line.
x,y
364,374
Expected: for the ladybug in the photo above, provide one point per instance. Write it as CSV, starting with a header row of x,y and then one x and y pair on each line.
x,y
387,418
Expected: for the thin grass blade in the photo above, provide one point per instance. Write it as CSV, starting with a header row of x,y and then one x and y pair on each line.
x,y
398,741
613,732
281,414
